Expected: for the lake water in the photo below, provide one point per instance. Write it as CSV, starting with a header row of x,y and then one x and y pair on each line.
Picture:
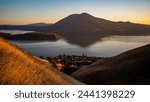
x,y
13,32
106,47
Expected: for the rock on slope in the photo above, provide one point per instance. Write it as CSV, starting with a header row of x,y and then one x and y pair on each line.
x,y
16,67
131,67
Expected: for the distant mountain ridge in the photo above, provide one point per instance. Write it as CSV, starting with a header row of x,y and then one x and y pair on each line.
x,y
31,27
40,24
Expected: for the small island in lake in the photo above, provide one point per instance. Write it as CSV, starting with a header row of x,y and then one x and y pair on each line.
x,y
52,36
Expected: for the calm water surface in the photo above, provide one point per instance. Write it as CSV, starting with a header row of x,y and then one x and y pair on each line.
x,y
106,47
13,32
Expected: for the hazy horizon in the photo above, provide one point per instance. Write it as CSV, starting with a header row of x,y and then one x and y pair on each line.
x,y
50,11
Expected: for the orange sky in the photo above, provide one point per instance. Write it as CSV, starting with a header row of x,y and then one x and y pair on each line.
x,y
48,11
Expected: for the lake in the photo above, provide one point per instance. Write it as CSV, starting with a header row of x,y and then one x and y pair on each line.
x,y
13,32
106,47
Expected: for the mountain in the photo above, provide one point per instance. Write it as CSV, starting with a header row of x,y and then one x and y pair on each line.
x,y
19,68
31,27
131,67
85,29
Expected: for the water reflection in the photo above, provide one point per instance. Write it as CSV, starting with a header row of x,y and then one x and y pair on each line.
x,y
138,39
105,47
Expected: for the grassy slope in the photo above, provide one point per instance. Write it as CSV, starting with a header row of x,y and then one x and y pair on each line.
x,y
131,67
16,67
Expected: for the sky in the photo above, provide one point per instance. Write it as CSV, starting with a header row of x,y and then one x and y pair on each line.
x,y
51,11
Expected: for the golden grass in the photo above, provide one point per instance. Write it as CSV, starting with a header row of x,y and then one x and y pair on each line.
x,y
17,67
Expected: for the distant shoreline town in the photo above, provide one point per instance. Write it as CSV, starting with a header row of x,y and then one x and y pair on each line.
x,y
71,63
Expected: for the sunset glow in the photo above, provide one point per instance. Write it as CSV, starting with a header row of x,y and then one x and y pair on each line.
x,y
51,11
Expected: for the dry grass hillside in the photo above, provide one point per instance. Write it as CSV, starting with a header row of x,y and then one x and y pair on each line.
x,y
17,67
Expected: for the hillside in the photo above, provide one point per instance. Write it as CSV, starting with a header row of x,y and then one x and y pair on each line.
x,y
131,67
17,67
85,29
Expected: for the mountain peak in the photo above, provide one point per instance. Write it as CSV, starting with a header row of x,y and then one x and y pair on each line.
x,y
80,15
85,14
